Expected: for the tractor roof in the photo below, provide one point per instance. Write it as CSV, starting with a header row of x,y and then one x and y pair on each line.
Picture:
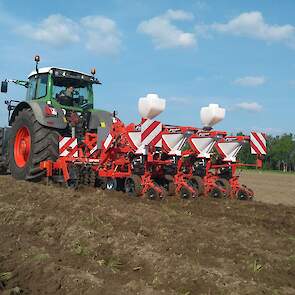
x,y
47,69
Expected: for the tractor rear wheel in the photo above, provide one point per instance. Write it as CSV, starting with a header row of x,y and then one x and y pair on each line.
x,y
30,144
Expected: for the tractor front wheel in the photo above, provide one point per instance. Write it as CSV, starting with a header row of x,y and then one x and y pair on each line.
x,y
30,144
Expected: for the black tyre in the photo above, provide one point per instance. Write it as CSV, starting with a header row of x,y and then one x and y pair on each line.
x,y
242,195
121,184
216,193
30,144
185,193
74,181
152,194
133,186
102,183
111,184
197,183
88,177
224,184
164,194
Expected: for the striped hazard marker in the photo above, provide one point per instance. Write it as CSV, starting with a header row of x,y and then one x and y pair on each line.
x,y
108,141
151,133
93,150
68,147
258,143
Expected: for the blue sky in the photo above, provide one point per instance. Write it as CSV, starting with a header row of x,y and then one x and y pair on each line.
x,y
239,54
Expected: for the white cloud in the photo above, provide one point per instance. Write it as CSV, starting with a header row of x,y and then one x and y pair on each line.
x,y
164,33
178,15
253,25
103,34
251,81
249,106
98,34
55,30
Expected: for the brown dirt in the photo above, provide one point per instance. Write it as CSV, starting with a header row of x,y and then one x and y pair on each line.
x,y
56,241
271,187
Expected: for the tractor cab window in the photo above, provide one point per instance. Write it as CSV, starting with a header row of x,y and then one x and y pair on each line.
x,y
71,92
41,86
32,88
37,87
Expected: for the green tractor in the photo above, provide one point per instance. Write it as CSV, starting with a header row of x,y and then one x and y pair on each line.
x,y
59,103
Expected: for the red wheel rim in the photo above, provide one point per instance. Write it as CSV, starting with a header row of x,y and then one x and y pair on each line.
x,y
22,146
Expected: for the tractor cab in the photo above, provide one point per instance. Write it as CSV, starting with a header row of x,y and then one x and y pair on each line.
x,y
58,97
61,88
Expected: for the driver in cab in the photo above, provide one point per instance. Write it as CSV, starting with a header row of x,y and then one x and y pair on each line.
x,y
65,97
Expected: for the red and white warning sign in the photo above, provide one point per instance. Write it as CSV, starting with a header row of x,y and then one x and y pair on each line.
x,y
258,143
108,141
151,133
68,147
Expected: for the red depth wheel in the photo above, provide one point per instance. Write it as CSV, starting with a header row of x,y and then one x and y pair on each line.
x,y
22,146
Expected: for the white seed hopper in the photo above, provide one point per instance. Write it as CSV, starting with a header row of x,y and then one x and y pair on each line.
x,y
211,115
229,150
151,106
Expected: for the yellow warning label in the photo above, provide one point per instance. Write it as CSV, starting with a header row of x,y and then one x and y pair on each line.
x,y
103,124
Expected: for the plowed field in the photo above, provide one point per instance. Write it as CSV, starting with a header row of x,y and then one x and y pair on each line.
x,y
57,241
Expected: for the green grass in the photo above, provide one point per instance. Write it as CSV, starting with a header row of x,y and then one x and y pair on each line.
x,y
257,267
41,256
5,276
80,249
114,264
291,258
266,171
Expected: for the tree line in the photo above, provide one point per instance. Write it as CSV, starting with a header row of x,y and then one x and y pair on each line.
x,y
280,153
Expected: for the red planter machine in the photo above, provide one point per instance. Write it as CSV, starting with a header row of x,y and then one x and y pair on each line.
x,y
153,160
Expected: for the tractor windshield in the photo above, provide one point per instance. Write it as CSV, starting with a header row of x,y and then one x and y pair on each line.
x,y
71,92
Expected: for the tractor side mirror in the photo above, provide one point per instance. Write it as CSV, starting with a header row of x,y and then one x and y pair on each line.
x,y
4,86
